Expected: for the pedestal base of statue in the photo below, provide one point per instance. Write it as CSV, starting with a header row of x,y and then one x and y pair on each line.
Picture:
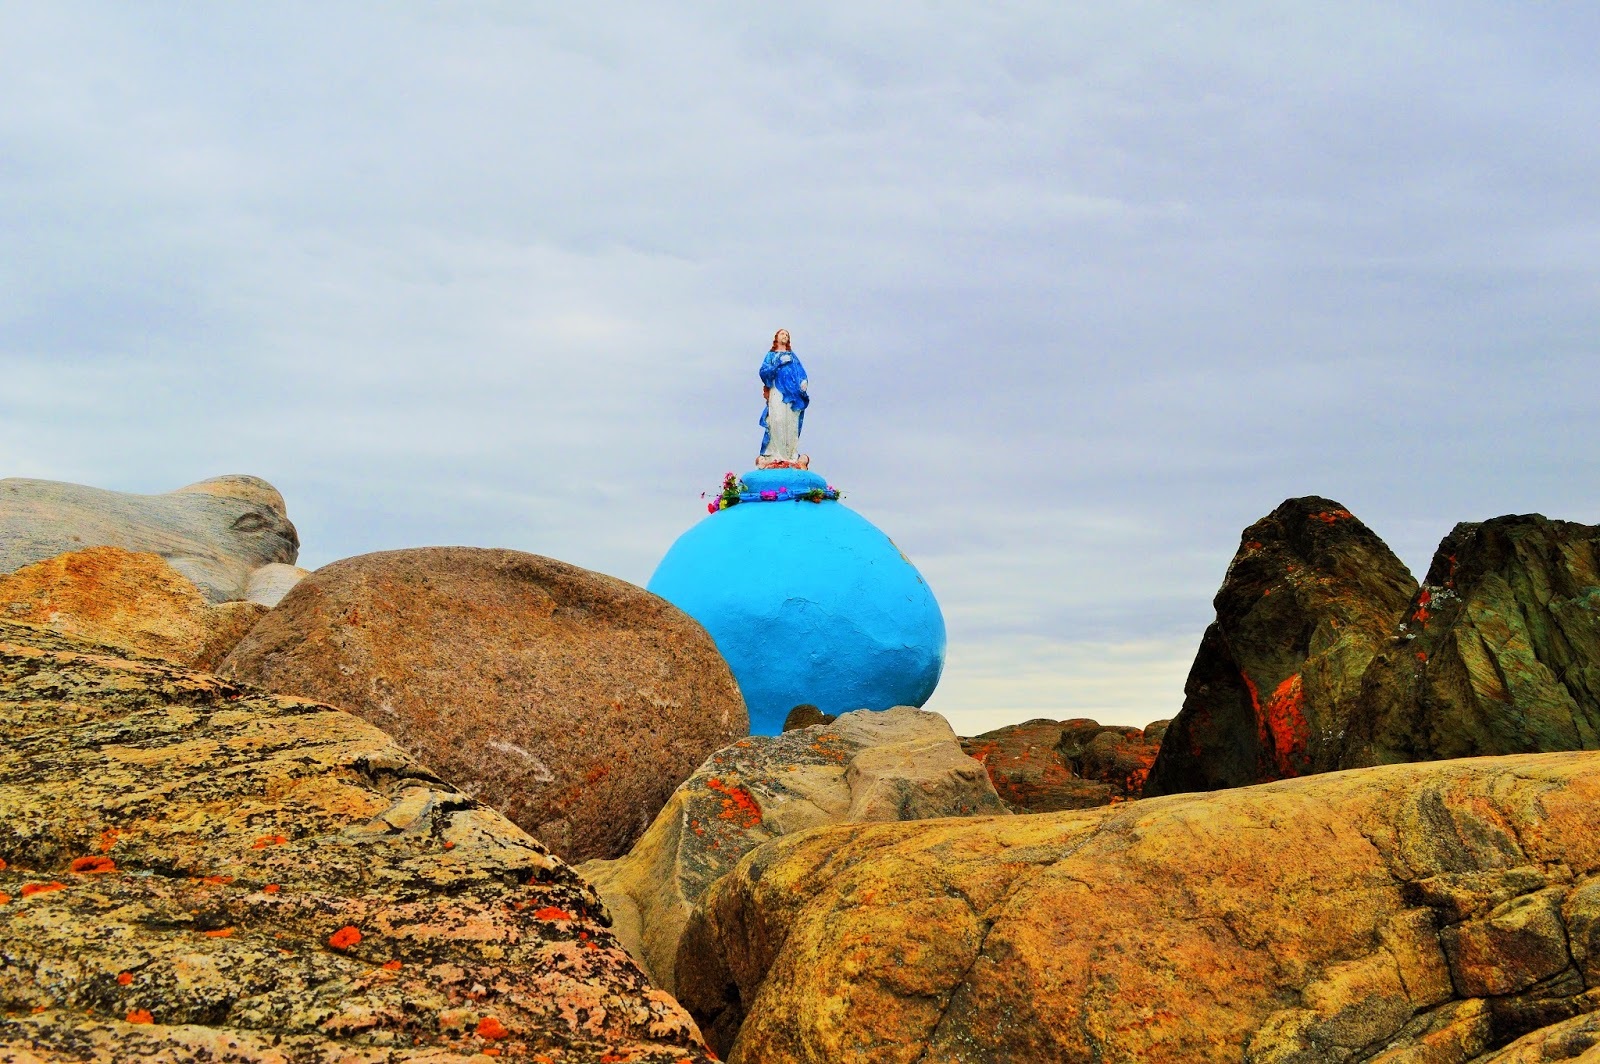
x,y
808,601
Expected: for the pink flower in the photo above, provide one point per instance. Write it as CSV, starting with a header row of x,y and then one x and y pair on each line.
x,y
769,495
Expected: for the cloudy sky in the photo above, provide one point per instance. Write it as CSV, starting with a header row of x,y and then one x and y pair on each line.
x,y
1082,289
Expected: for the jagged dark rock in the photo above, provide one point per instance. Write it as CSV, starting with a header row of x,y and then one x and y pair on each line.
x,y
1498,652
1310,597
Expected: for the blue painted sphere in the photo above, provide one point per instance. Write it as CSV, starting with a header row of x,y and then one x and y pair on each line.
x,y
809,602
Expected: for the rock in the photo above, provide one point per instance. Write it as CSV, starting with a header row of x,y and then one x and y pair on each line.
x,y
1047,765
195,871
1310,597
570,701
1575,1040
1498,652
216,532
809,602
897,764
805,715
133,601
270,583
1347,917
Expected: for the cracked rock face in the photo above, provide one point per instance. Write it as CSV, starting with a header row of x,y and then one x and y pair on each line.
x,y
570,701
217,532
191,871
1498,651
1409,914
1043,766
1309,598
897,764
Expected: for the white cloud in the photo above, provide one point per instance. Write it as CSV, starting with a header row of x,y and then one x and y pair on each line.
x,y
1082,292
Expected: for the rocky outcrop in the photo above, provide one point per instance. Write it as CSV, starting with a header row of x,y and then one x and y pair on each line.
x,y
570,701
217,532
1497,653
898,764
1408,914
194,871
1309,599
134,601
1044,766
270,583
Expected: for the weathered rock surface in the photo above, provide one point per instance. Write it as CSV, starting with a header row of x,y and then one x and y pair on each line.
x,y
216,532
194,871
1044,766
1498,652
1577,1039
898,764
270,583
805,715
570,701
1310,597
1408,914
134,601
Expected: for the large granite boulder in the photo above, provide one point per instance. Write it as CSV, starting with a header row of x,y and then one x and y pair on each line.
x,y
570,701
1497,653
216,532
134,601
1310,597
1043,766
1407,914
192,871
897,764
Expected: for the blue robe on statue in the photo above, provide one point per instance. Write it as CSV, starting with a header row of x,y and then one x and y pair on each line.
x,y
783,371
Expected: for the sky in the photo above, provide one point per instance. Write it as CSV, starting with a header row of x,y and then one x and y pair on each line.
x,y
1082,290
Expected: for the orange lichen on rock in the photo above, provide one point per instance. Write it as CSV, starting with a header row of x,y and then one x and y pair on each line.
x,y
108,839
40,888
5,899
92,865
216,881
220,932
347,936
124,978
550,912
268,840
739,805
271,888
1328,517
140,1016
392,966
1284,727
491,1028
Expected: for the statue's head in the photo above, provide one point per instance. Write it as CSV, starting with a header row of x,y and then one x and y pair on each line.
x,y
780,340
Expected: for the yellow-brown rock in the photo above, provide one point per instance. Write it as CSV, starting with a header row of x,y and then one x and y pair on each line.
x,y
1410,914
126,599
869,765
191,871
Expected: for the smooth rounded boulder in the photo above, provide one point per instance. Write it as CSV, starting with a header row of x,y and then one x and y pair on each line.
x,y
571,701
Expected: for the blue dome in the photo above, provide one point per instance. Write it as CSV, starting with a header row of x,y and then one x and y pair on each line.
x,y
808,602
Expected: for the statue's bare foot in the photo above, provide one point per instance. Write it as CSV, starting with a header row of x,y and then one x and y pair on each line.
x,y
804,462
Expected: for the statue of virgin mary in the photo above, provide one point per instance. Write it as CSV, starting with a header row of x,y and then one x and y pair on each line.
x,y
783,386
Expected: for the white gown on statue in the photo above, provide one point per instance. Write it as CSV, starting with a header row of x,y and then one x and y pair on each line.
x,y
783,425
